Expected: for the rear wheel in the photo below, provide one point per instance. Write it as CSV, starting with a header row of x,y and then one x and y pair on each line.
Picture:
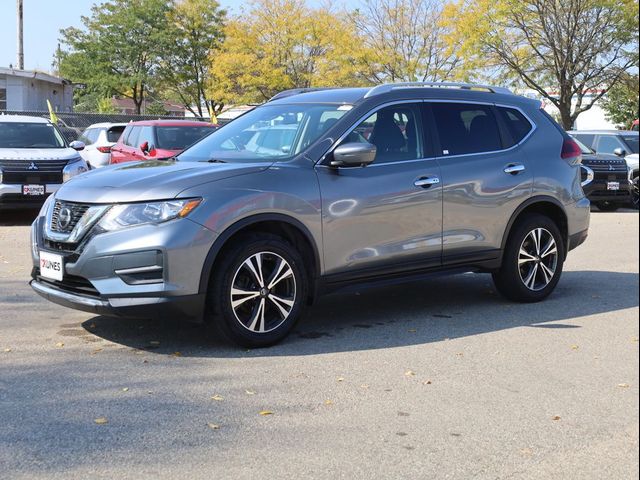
x,y
258,291
533,260
607,206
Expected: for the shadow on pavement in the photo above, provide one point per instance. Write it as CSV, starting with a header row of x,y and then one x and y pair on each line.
x,y
17,218
417,313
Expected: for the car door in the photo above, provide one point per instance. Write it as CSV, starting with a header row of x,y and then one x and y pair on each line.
x,y
387,216
485,176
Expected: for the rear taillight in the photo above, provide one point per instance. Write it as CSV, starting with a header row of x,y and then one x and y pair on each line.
x,y
571,152
104,149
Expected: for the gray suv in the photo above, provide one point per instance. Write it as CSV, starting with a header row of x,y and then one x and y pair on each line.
x,y
314,191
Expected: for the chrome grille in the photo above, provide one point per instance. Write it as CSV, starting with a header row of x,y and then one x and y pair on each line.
x,y
65,216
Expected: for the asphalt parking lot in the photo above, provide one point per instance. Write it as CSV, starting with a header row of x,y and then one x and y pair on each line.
x,y
439,379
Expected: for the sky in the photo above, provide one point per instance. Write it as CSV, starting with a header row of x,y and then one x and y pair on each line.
x,y
43,20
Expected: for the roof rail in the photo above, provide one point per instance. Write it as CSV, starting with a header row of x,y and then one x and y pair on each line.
x,y
387,87
296,91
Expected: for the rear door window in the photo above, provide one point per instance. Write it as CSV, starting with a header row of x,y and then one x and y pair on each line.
x,y
517,124
586,138
466,128
90,136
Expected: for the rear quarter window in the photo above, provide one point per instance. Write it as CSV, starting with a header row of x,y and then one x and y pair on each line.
x,y
113,133
517,124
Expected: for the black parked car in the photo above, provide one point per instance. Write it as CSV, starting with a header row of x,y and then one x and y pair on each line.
x,y
605,179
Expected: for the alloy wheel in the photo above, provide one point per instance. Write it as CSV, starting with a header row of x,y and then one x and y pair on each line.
x,y
537,259
263,292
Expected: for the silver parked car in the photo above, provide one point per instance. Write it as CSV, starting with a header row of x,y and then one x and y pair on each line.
x,y
35,159
98,139
344,186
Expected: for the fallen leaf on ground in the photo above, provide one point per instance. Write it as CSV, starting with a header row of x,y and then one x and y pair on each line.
x,y
623,385
59,344
364,385
101,421
125,389
526,451
328,402
97,350
217,398
574,347
213,426
7,350
249,392
409,373
340,379
555,417
427,382
412,330
177,354
265,412
459,354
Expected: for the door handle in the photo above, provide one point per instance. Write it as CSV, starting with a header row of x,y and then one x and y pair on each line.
x,y
426,182
514,168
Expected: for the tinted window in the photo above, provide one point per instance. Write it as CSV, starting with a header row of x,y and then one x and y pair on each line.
x,y
396,131
608,143
586,138
179,138
113,134
466,128
132,138
29,135
517,124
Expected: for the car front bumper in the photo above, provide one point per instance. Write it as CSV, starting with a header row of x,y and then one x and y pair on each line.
x,y
147,271
11,196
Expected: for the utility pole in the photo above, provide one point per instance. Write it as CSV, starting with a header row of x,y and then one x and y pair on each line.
x,y
20,14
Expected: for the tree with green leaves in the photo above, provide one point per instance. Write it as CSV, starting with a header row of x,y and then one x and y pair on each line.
x,y
194,31
119,49
621,103
563,49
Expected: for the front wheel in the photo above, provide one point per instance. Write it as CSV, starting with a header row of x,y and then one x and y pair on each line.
x,y
634,192
532,261
258,291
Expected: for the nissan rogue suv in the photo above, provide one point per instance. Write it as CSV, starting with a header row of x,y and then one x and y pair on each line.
x,y
35,159
315,191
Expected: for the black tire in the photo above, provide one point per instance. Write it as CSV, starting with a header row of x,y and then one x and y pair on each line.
x,y
634,191
227,322
510,279
607,206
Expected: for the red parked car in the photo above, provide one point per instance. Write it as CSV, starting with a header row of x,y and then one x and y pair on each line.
x,y
157,139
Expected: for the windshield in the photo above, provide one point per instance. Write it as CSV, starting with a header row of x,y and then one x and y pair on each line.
x,y
632,141
267,133
29,135
179,138
583,147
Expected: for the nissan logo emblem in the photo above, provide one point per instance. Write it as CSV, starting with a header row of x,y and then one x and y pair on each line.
x,y
64,218
32,166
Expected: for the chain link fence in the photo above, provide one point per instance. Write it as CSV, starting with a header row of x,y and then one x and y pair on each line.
x,y
73,124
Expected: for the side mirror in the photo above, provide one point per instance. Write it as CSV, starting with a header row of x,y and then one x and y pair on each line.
x,y
620,152
144,146
355,154
77,145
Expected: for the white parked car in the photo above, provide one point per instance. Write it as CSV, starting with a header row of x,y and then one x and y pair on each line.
x,y
98,139
35,159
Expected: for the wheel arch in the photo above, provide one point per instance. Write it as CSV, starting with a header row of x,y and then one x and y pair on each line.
x,y
544,205
283,225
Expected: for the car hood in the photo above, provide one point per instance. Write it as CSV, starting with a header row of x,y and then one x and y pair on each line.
x,y
30,154
150,180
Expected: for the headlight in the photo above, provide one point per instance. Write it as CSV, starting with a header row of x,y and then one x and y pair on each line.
x,y
132,214
73,168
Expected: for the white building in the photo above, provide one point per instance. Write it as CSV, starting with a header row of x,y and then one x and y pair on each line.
x,y
25,90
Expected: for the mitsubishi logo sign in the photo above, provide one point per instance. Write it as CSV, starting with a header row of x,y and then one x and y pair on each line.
x,y
32,166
